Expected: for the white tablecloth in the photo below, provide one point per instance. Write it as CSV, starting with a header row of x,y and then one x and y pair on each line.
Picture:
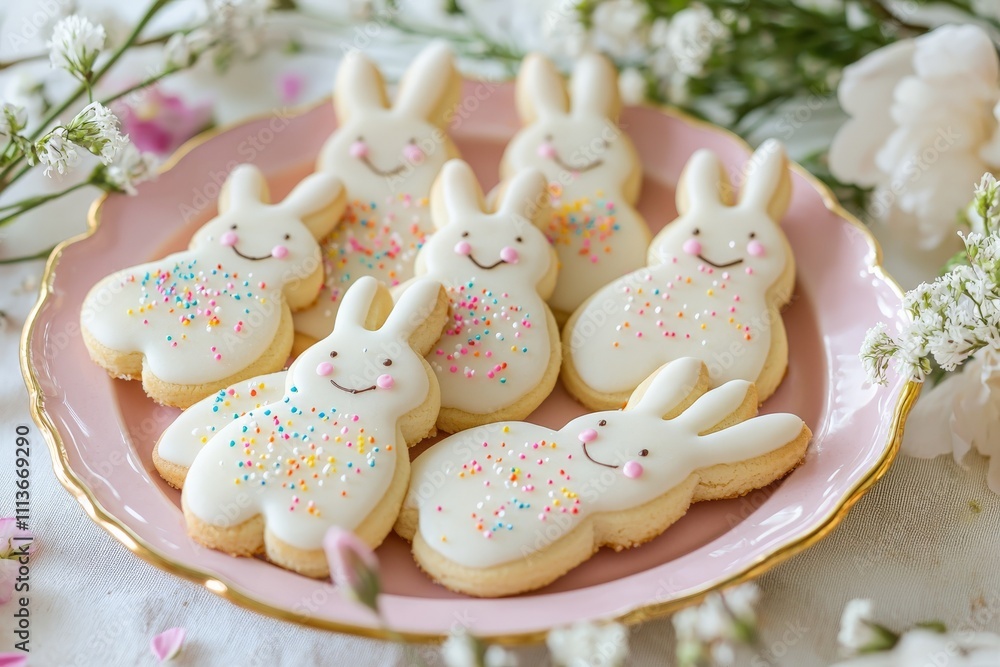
x,y
922,543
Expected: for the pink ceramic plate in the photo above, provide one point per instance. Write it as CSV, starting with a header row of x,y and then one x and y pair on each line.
x,y
102,431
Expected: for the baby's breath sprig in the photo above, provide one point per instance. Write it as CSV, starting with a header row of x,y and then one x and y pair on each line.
x,y
953,317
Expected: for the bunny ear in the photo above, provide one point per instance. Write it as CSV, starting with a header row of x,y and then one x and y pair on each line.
x,y
318,201
671,388
703,183
541,90
751,438
768,184
524,196
595,87
721,405
359,87
244,186
365,305
430,87
413,308
456,194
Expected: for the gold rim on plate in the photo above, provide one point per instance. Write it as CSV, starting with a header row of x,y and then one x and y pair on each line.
x,y
68,478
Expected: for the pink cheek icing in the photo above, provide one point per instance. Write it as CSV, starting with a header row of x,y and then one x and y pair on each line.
x,y
358,150
692,247
385,381
755,248
546,150
279,252
463,248
588,435
413,154
229,238
324,368
509,255
632,469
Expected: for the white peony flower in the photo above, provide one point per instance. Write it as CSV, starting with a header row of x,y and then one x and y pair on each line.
x,y
75,45
632,86
589,645
922,122
691,37
924,647
57,152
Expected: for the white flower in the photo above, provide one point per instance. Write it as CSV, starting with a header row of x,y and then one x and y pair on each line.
x,y
691,37
922,121
239,25
632,86
562,32
57,152
617,26
463,650
75,44
12,120
589,645
856,631
959,414
923,647
97,129
876,350
130,168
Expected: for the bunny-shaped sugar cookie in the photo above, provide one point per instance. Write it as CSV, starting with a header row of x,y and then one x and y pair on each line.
x,y
387,157
333,449
220,312
499,356
717,278
593,171
511,507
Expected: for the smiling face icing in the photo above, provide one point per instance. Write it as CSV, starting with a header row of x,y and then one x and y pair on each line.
x,y
592,169
324,453
705,293
506,490
496,347
206,313
388,158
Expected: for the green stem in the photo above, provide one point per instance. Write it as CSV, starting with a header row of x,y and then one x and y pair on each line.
x,y
7,64
35,202
139,86
41,254
55,112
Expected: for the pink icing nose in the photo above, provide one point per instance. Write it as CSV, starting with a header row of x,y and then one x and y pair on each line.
x,y
463,248
632,469
229,238
385,381
509,255
324,368
279,252
692,247
413,154
588,435
358,150
755,248
546,150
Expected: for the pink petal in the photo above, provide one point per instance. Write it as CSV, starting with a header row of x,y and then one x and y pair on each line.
x,y
166,645
13,660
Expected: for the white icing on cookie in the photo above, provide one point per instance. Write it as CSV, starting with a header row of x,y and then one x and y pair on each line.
x,y
705,291
497,494
496,346
193,428
325,453
209,312
593,172
388,158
